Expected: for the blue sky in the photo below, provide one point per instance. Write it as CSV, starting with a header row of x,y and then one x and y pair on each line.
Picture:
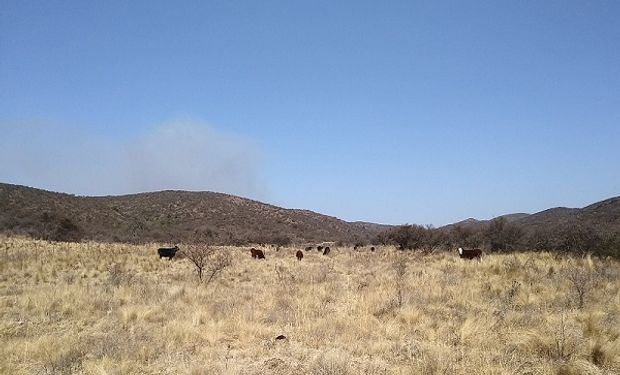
x,y
407,111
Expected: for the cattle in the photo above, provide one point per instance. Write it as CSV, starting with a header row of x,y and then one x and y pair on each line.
x,y
326,251
308,248
258,254
167,252
319,248
470,253
372,248
299,254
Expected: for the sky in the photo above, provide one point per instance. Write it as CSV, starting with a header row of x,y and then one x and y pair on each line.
x,y
424,112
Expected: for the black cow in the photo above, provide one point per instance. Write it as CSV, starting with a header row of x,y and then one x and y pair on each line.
x,y
326,251
299,255
319,248
167,252
258,254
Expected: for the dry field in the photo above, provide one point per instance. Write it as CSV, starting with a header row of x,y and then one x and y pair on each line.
x,y
118,309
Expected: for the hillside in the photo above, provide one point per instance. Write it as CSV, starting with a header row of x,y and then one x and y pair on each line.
x,y
476,224
603,215
167,216
594,228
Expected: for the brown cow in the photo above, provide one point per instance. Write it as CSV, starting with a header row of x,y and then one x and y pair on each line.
x,y
326,251
470,253
258,254
299,255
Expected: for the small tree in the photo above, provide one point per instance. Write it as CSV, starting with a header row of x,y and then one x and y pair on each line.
x,y
581,280
206,259
578,238
502,235
198,254
541,239
433,238
408,237
68,231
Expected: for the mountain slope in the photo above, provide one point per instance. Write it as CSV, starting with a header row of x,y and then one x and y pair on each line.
x,y
475,224
168,216
604,216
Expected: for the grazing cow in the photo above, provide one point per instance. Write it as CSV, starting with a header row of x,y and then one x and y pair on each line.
x,y
258,254
372,248
308,248
167,252
326,251
299,255
319,248
470,253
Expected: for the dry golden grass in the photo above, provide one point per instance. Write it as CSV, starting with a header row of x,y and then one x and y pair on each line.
x,y
117,309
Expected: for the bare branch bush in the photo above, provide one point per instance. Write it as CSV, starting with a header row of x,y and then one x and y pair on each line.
x,y
207,259
581,279
219,260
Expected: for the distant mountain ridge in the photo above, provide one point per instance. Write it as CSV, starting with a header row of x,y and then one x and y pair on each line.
x,y
472,223
169,216
604,215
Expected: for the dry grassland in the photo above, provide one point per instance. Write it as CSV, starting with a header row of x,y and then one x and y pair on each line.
x,y
118,309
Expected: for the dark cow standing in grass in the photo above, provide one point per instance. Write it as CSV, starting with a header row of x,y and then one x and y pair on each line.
x,y
167,252
326,251
470,253
258,254
299,254
319,248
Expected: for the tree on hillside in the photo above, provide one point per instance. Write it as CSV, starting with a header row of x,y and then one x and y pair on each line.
x,y
408,237
433,239
68,231
501,235
578,238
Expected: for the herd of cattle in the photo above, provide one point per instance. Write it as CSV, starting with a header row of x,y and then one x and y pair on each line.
x,y
170,252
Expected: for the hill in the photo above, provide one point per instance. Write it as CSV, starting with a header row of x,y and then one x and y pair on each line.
x,y
594,228
603,215
167,216
475,224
